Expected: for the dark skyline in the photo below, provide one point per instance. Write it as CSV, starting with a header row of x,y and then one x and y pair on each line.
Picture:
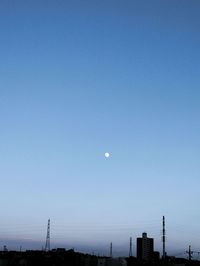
x,y
119,249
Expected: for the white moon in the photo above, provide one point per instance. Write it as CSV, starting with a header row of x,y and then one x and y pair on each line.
x,y
107,154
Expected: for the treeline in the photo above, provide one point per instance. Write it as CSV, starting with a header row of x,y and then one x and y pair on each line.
x,y
61,257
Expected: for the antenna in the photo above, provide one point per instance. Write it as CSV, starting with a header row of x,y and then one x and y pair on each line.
x,y
163,237
130,248
47,245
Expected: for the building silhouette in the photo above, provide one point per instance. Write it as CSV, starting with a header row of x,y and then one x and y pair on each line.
x,y
145,247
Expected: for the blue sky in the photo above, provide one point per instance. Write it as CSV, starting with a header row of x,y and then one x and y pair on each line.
x,y
78,79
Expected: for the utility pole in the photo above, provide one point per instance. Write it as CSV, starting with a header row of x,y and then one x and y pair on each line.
x,y
47,245
111,250
130,248
163,237
189,252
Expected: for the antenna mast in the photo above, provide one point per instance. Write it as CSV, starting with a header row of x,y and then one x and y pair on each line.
x,y
163,237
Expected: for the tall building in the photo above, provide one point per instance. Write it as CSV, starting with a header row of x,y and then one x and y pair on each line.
x,y
144,247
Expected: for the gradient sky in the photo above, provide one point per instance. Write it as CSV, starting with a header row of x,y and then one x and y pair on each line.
x,y
81,78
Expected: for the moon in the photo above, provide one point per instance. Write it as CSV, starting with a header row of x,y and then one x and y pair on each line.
x,y
107,154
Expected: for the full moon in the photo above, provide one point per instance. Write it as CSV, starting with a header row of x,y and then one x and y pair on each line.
x,y
107,154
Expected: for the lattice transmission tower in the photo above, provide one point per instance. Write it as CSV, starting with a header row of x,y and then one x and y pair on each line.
x,y
47,244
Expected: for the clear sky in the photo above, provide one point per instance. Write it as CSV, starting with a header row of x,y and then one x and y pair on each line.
x,y
81,78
